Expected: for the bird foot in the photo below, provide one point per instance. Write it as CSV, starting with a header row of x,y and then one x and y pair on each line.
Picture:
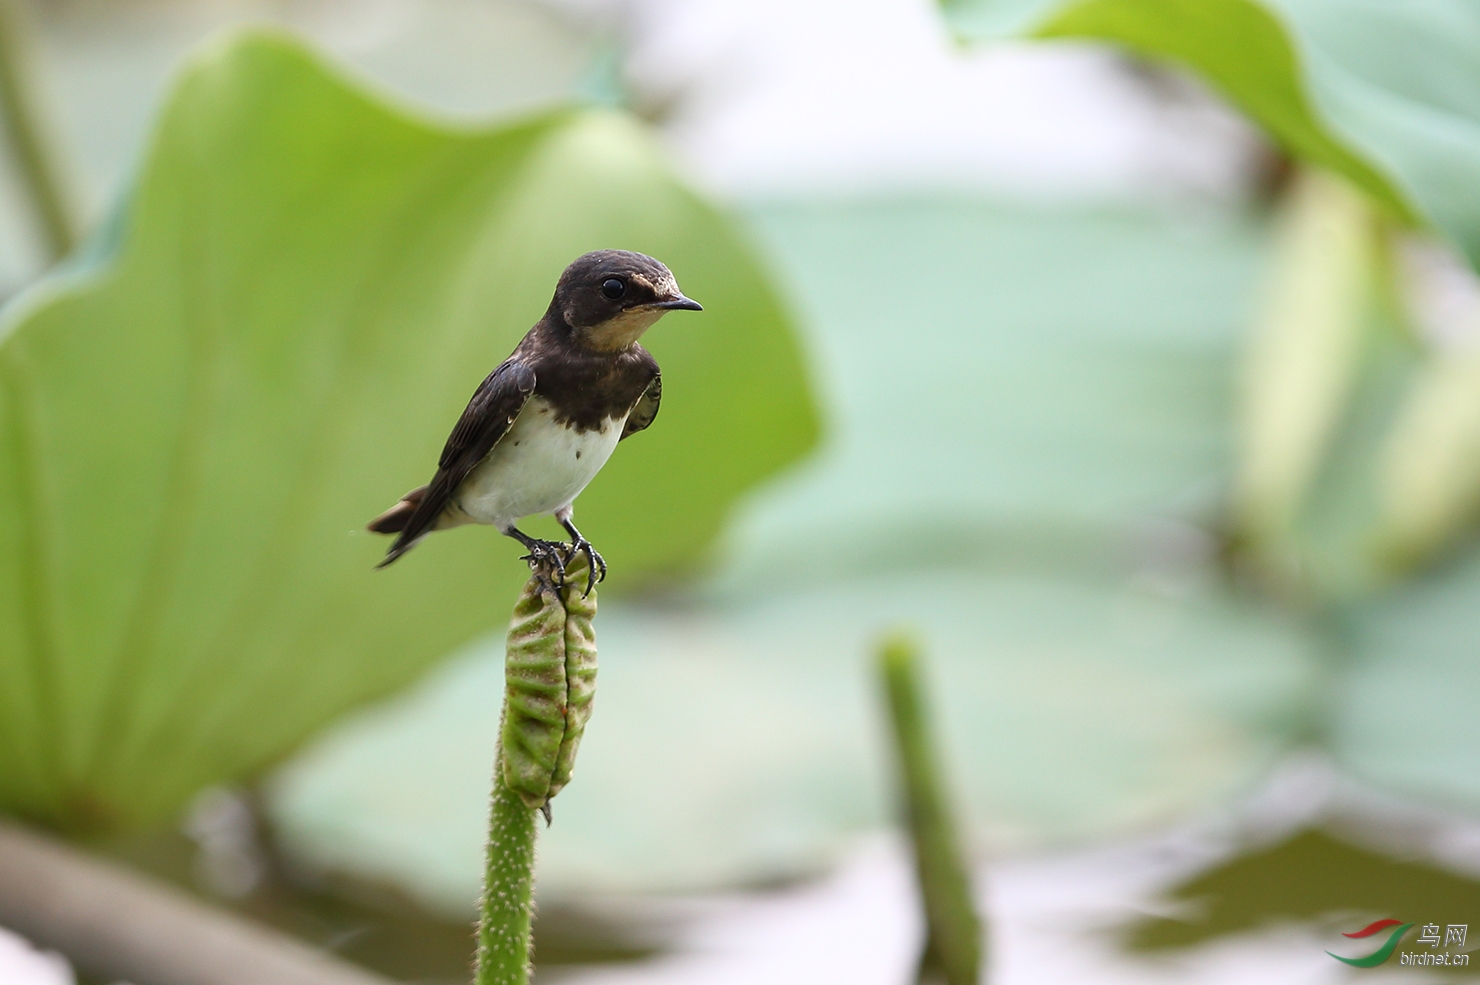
x,y
547,560
581,545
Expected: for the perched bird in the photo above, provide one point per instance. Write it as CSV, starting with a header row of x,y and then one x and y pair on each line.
x,y
541,426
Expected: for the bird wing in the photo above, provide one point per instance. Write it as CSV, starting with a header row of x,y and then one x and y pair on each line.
x,y
646,408
487,418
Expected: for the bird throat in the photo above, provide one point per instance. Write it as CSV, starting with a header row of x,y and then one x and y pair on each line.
x,y
616,334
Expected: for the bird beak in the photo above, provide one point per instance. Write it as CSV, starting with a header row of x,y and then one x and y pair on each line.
x,y
679,303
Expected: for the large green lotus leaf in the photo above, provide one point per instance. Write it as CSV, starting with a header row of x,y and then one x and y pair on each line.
x,y
306,288
1060,393
1381,92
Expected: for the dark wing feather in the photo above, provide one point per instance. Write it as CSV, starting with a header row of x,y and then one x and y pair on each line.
x,y
495,404
646,409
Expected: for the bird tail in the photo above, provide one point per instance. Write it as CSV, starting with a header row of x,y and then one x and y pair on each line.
x,y
394,521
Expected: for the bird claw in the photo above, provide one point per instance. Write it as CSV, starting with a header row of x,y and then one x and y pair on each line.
x,y
593,559
546,561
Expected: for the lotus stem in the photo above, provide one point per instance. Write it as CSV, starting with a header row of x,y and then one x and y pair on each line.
x,y
505,929
549,684
34,156
955,941
117,924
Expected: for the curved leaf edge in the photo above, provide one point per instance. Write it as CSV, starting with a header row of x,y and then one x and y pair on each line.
x,y
101,251
1290,115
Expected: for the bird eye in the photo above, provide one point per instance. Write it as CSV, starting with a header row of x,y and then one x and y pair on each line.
x,y
613,288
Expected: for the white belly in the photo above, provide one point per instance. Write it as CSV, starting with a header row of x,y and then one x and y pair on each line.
x,y
538,467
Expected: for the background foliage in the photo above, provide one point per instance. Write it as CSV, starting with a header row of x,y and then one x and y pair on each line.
x,y
1381,93
1356,497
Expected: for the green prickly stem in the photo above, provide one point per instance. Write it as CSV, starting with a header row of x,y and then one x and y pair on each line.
x,y
507,911
550,681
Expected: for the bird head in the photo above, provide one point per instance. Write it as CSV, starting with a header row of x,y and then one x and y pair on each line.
x,y
611,297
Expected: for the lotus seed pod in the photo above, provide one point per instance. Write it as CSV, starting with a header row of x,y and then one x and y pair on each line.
x,y
580,675
549,682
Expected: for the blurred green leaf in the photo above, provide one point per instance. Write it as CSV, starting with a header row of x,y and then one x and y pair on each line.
x,y
1382,93
1430,468
192,432
1305,355
1327,374
1336,537
1064,400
